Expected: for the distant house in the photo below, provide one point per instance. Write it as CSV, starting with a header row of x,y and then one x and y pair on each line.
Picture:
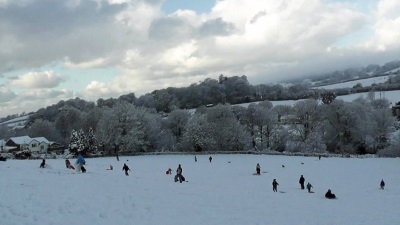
x,y
33,145
55,147
15,144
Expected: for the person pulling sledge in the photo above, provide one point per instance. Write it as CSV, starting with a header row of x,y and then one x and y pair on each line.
x,y
330,195
126,168
309,186
301,181
382,184
80,161
178,175
43,164
258,169
275,185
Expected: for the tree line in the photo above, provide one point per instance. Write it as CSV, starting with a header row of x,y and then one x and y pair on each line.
x,y
160,121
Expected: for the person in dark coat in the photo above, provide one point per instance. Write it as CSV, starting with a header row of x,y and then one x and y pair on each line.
x,y
210,158
301,181
258,169
43,164
178,175
126,168
275,185
195,158
309,186
382,184
330,195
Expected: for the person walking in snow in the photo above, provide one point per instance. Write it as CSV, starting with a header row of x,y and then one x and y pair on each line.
x,y
210,158
178,175
42,165
382,184
195,158
258,169
301,181
275,185
80,161
126,168
309,186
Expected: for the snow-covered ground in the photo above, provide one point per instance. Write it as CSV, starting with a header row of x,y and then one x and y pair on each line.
x,y
364,82
224,192
391,96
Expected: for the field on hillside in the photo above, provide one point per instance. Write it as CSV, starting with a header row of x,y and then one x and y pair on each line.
x,y
223,192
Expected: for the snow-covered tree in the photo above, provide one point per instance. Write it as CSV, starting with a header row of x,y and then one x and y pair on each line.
x,y
198,136
177,121
73,141
123,125
307,117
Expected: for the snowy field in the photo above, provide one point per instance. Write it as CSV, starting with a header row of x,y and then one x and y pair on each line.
x,y
223,192
349,84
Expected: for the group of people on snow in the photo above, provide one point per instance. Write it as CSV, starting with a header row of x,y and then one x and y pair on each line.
x,y
80,162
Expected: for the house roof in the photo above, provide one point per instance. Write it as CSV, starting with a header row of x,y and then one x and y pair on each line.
x,y
21,140
26,140
42,139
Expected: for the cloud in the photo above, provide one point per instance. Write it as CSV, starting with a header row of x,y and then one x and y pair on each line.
x,y
386,29
147,49
6,95
45,79
28,101
41,32
95,63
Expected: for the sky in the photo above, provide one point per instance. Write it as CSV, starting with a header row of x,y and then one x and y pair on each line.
x,y
91,49
223,192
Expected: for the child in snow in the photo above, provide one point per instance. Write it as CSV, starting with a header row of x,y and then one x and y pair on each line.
x,y
80,161
68,164
178,175
258,169
275,185
126,168
169,171
382,184
301,181
329,194
43,164
309,186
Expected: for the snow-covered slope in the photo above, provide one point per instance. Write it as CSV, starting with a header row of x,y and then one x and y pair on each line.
x,y
223,192
350,84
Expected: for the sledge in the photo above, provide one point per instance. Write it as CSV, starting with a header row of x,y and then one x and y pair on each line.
x,y
282,191
256,174
311,192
